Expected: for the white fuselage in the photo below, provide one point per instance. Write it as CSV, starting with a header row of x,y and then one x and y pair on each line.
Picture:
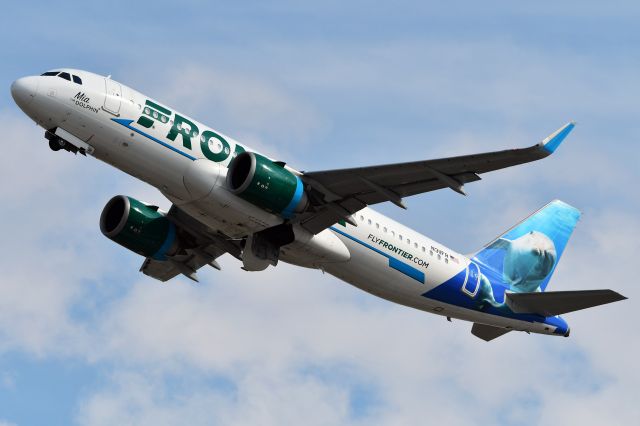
x,y
379,256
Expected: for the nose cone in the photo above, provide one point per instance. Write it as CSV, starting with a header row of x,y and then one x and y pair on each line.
x,y
24,91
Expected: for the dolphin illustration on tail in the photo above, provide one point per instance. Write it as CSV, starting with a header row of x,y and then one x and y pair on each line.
x,y
509,276
518,265
524,258
528,260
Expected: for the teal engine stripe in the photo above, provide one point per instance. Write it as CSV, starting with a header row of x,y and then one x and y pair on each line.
x,y
394,263
297,196
168,242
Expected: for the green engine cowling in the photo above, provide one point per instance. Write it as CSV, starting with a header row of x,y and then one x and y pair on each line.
x,y
266,184
138,227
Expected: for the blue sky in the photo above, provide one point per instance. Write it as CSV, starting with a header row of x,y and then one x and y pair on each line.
x,y
85,339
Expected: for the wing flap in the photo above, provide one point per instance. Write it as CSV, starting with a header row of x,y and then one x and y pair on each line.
x,y
186,264
552,303
160,270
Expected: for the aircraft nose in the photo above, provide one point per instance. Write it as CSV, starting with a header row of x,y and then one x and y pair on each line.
x,y
24,90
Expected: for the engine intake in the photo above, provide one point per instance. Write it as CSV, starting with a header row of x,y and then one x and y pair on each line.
x,y
266,184
138,227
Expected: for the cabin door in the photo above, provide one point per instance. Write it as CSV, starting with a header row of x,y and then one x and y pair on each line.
x,y
113,97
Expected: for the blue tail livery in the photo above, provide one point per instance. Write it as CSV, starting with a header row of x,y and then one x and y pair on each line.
x,y
508,277
524,258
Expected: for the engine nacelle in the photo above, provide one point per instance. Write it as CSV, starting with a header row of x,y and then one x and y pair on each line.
x,y
266,184
138,227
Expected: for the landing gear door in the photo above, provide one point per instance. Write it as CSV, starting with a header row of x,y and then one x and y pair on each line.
x,y
472,280
113,97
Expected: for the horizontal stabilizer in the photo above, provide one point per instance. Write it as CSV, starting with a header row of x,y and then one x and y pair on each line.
x,y
487,332
553,303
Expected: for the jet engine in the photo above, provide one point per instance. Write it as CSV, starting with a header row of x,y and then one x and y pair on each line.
x,y
266,184
138,227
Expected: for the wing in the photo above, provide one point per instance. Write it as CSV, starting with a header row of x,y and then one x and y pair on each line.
x,y
202,248
552,303
337,194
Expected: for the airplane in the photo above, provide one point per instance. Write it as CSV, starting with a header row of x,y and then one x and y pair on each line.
x,y
229,198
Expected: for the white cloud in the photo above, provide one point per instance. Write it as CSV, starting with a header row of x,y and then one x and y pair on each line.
x,y
291,345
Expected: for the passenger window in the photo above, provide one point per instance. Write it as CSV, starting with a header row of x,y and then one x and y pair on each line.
x,y
384,229
369,221
50,73
408,241
361,218
393,233
77,80
424,249
377,226
65,75
415,245
400,236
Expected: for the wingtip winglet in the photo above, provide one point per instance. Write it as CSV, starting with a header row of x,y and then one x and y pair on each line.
x,y
553,141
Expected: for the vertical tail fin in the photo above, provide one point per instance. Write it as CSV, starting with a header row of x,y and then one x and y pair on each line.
x,y
527,254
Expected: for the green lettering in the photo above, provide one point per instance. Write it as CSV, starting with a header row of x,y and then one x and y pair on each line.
x,y
152,111
179,128
218,157
238,150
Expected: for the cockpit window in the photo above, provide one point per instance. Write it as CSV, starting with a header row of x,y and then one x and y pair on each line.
x,y
77,79
50,73
65,75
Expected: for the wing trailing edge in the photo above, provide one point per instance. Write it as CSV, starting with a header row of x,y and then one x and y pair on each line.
x,y
337,194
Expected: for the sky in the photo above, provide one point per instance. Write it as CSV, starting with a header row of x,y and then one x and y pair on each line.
x,y
86,339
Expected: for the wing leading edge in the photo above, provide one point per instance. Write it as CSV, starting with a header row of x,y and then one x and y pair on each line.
x,y
337,194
